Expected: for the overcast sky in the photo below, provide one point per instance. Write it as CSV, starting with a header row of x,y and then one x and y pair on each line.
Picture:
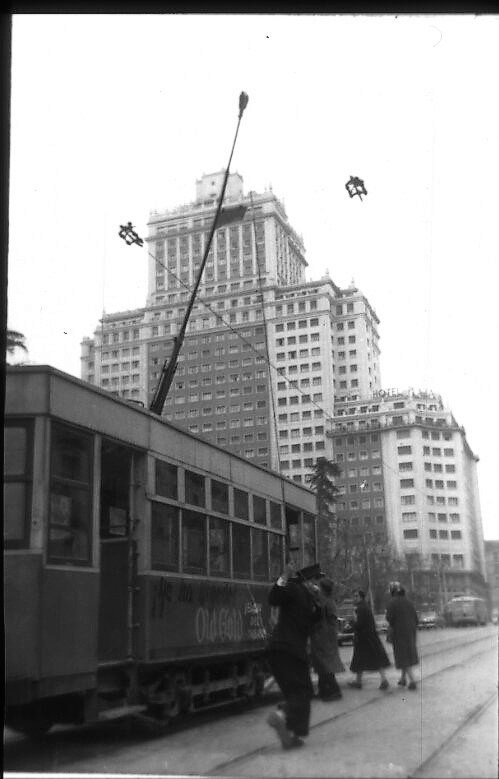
x,y
114,116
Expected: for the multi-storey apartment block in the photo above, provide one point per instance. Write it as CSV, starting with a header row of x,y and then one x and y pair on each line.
x,y
409,472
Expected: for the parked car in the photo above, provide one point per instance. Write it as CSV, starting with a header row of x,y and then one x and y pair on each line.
x,y
345,630
381,623
430,619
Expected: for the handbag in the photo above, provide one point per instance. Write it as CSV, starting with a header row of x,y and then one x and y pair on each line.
x,y
389,635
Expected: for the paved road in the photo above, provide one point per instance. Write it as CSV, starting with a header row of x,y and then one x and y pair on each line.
x,y
447,728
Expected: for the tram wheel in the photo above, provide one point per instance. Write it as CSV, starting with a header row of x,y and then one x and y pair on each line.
x,y
255,686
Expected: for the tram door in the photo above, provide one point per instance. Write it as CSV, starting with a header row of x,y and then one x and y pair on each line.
x,y
116,552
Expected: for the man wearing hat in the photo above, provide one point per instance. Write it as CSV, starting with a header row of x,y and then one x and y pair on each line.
x,y
288,661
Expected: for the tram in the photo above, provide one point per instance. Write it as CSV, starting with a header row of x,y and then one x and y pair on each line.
x,y
137,558
466,610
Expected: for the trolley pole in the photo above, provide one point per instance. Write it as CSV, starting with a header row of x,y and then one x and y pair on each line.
x,y
170,365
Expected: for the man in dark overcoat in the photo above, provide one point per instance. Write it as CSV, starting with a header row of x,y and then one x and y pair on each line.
x,y
368,651
402,619
288,655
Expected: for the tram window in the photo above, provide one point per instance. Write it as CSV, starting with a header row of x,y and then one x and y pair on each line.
x,y
17,484
241,551
276,545
193,542
219,546
194,489
166,480
275,515
69,532
293,525
308,539
259,510
219,496
241,509
165,537
260,554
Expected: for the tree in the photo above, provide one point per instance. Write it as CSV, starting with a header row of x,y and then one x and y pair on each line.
x,y
321,481
15,341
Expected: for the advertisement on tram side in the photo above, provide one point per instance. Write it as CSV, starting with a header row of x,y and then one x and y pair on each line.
x,y
196,618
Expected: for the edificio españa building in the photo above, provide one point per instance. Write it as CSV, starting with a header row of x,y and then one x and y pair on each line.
x,y
273,366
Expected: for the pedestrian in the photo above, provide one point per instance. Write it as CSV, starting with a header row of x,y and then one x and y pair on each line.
x,y
324,643
368,651
288,659
402,619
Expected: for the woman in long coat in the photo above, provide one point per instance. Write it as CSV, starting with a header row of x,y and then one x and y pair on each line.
x,y
368,651
403,620
326,658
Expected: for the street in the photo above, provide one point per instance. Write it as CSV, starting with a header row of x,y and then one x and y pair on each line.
x,y
447,728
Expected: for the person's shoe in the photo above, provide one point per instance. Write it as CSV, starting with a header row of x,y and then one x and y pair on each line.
x,y
411,686
296,742
276,720
356,685
384,685
401,682
334,696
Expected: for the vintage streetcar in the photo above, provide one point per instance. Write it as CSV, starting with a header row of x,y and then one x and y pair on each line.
x,y
466,610
138,558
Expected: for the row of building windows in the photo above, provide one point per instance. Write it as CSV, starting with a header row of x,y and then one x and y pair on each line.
x,y
294,325
411,516
308,462
435,451
439,484
454,535
294,400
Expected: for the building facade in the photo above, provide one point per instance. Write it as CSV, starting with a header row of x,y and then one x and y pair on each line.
x,y
409,472
265,352
282,370
492,567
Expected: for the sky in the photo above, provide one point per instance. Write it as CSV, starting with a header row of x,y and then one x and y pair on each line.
x,y
113,116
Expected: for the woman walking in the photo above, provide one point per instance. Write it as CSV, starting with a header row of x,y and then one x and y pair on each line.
x,y
324,644
368,651
403,621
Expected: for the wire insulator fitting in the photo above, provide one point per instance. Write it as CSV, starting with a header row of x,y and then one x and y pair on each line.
x,y
129,235
243,102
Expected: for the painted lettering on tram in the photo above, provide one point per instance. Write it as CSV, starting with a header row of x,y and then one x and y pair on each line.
x,y
218,625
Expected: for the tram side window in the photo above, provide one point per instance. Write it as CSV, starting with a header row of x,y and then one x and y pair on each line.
x,y
219,496
259,510
166,480
293,526
69,533
276,547
164,537
260,554
240,551
194,489
308,539
275,515
241,507
219,547
17,483
193,542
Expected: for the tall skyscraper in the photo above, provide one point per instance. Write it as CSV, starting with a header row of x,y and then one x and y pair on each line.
x,y
283,370
266,352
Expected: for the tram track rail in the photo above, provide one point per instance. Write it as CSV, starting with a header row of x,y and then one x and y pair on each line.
x,y
113,736
229,764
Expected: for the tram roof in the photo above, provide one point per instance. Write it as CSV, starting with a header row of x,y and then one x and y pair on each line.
x,y
18,403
